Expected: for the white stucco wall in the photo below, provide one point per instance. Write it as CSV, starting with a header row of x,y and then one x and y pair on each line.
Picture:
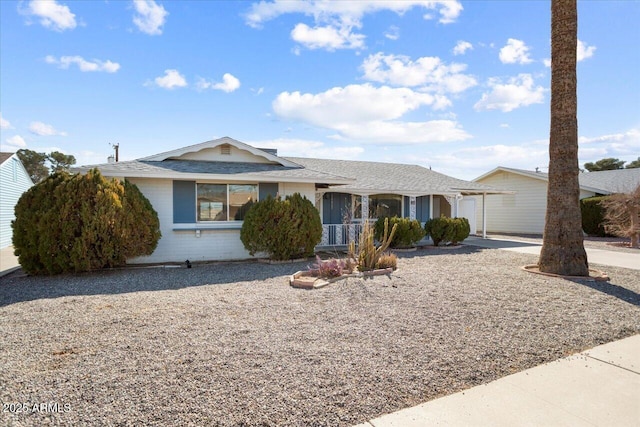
x,y
210,244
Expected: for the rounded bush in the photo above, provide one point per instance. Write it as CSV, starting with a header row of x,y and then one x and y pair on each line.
x,y
593,216
453,230
437,229
284,229
408,233
460,229
74,223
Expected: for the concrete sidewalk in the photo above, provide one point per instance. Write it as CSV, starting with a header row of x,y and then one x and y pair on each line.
x,y
598,387
594,256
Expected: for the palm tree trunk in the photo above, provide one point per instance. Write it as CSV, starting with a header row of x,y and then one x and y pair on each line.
x,y
563,247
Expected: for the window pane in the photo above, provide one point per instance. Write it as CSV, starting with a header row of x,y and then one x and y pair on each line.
x,y
381,205
241,198
212,202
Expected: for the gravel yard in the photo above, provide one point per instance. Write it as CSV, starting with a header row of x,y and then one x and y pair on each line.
x,y
231,344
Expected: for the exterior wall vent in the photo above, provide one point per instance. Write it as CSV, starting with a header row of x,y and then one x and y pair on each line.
x,y
225,149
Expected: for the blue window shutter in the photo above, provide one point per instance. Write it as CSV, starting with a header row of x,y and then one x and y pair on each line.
x,y
184,202
407,206
267,188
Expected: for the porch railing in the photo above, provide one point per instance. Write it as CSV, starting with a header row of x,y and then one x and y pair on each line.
x,y
340,234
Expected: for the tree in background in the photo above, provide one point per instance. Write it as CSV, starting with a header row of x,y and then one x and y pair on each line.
x,y
563,246
622,215
60,162
607,164
33,162
36,163
634,164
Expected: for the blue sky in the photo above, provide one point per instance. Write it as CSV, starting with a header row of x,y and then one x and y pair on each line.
x,y
459,86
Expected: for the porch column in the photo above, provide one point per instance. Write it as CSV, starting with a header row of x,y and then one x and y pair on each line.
x,y
319,195
484,216
412,207
365,208
430,206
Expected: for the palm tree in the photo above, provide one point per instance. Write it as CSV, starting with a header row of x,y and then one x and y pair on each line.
x,y
563,247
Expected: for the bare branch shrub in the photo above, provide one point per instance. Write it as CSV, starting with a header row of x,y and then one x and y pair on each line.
x,y
622,215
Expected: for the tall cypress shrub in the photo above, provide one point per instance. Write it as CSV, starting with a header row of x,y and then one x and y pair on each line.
x,y
82,223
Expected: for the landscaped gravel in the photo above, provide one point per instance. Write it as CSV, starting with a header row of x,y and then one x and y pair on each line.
x,y
231,344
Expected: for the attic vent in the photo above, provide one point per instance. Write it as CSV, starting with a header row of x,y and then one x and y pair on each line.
x,y
225,149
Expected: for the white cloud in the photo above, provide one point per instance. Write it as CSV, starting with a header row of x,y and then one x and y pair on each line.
x,y
471,162
343,11
393,33
515,52
15,143
462,47
624,145
327,37
515,93
429,73
43,129
171,80
52,15
83,65
290,147
353,103
584,51
149,17
546,62
229,84
4,123
368,114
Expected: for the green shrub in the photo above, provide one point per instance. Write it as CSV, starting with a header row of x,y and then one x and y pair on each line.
x,y
445,230
460,229
593,216
408,233
284,229
437,229
74,223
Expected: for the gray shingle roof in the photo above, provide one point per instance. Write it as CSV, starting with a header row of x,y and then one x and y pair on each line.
x,y
193,169
374,177
5,156
615,181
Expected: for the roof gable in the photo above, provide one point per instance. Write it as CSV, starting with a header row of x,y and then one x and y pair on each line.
x,y
602,182
222,150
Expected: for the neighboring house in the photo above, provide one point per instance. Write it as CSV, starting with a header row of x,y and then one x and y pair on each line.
x,y
14,180
202,192
524,211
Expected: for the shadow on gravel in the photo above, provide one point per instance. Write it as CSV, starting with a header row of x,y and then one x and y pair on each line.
x,y
16,287
612,289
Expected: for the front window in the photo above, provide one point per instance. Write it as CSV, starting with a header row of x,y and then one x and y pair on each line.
x,y
383,205
225,202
